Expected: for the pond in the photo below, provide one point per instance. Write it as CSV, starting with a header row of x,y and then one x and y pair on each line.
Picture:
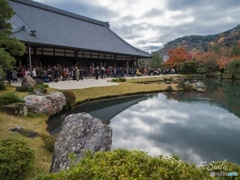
x,y
194,126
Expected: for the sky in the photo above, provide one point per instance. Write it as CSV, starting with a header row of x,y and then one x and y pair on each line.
x,y
149,24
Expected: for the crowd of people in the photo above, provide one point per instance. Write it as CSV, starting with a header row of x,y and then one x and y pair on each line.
x,y
61,73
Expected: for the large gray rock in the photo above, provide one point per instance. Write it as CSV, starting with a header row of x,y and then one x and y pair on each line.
x,y
49,104
28,81
80,132
200,90
185,85
199,85
20,130
169,88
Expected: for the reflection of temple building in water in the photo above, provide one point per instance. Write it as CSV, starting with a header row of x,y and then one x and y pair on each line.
x,y
104,110
107,110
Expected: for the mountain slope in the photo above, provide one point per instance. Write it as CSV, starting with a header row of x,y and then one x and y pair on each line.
x,y
205,43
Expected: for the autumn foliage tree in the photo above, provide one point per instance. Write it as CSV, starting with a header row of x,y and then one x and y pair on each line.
x,y
208,60
223,61
177,57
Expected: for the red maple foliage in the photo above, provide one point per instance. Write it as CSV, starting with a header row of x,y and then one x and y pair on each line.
x,y
177,56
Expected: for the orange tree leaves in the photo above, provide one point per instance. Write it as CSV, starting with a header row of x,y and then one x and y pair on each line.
x,y
177,57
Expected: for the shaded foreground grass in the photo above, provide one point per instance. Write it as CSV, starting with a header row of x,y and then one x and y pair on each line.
x,y
38,123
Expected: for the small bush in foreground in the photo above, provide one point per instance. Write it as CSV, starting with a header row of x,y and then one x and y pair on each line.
x,y
9,98
70,98
16,159
125,164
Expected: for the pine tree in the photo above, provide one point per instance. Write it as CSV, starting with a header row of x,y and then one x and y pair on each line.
x,y
9,47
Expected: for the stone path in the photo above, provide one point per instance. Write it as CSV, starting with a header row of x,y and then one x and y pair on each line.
x,y
86,83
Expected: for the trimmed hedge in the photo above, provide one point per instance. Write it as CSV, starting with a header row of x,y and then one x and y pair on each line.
x,y
70,98
129,165
16,159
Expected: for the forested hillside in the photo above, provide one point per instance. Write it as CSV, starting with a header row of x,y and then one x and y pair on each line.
x,y
207,43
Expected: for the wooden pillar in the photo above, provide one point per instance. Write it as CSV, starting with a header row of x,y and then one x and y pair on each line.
x,y
76,57
30,56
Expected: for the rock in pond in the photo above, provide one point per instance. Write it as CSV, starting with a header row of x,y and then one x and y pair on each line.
x,y
200,90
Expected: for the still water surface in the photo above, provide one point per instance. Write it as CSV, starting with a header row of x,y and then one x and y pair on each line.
x,y
194,126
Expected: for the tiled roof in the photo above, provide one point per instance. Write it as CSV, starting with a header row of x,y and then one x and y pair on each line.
x,y
37,23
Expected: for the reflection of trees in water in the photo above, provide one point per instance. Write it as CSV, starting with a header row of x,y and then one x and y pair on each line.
x,y
224,94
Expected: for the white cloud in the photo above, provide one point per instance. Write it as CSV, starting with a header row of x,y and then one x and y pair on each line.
x,y
140,22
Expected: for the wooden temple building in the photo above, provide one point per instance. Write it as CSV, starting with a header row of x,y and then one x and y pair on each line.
x,y
54,36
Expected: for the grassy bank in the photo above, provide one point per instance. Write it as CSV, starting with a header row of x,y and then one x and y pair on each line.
x,y
130,87
38,123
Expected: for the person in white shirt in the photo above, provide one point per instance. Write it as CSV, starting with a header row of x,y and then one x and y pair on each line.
x,y
34,74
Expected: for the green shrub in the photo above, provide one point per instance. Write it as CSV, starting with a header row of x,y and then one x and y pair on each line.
x,y
125,164
21,89
233,68
49,142
30,89
45,85
2,86
41,87
9,98
120,79
70,98
16,159
188,67
115,80
201,70
38,86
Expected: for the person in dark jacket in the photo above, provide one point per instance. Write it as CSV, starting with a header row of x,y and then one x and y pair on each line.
x,y
8,75
96,72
